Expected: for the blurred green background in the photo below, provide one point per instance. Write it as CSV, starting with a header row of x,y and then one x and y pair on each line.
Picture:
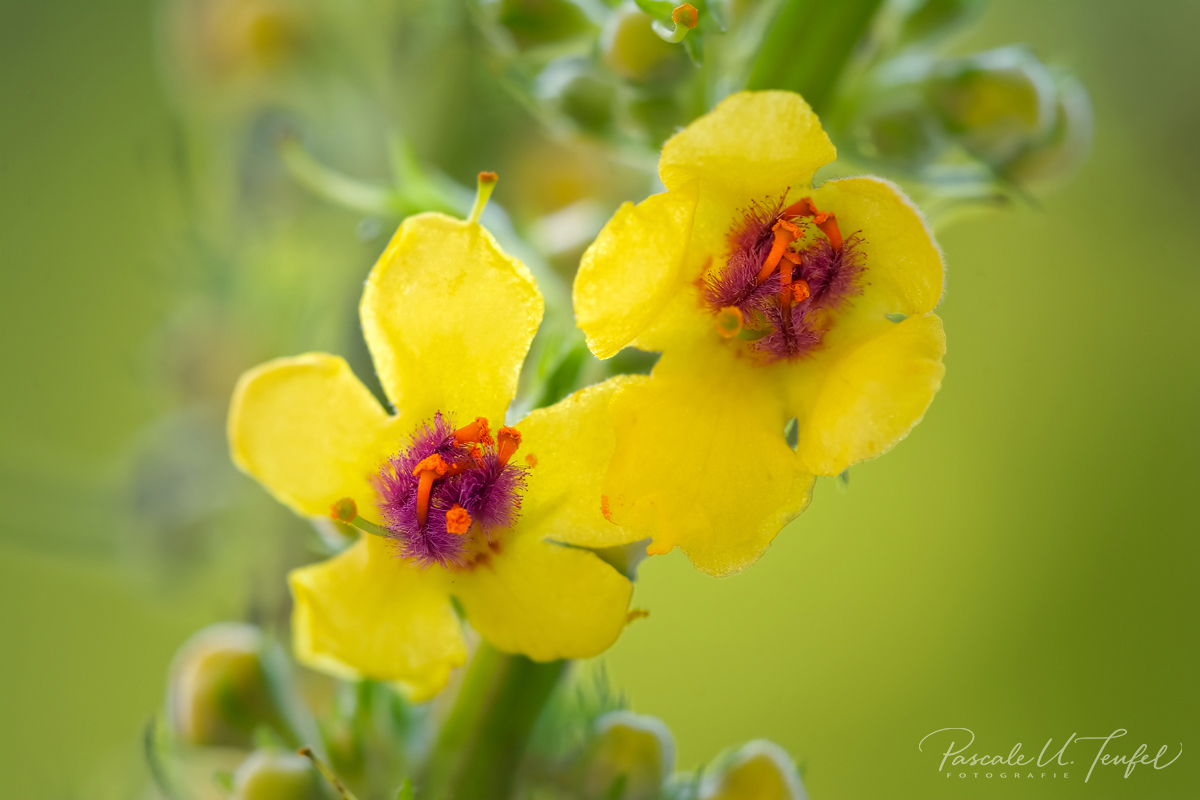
x,y
1024,565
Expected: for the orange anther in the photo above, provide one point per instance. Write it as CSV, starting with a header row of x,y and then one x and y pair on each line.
x,y
801,290
476,453
434,463
477,431
792,257
458,520
790,227
832,232
801,208
507,441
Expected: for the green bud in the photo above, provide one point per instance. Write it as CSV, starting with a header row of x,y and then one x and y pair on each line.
x,y
659,115
757,771
630,48
1066,146
539,22
906,136
996,103
630,757
579,93
926,19
270,775
218,692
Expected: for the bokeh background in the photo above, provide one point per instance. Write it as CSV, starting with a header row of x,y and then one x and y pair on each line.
x,y
1025,564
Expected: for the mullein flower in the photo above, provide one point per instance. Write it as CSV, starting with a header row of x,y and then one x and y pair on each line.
x,y
457,511
771,301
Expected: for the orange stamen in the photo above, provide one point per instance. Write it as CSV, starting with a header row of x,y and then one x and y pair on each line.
x,y
783,240
429,470
344,510
832,232
826,221
785,283
507,441
477,431
685,15
433,463
458,521
801,290
801,208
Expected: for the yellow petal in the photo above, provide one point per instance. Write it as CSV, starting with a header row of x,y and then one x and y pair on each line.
x,y
367,613
632,269
865,398
701,462
752,143
310,432
448,317
544,600
571,443
760,770
904,265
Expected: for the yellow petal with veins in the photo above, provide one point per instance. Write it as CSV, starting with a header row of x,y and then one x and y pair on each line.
x,y
569,446
367,614
633,269
310,432
865,398
544,600
751,144
701,462
448,317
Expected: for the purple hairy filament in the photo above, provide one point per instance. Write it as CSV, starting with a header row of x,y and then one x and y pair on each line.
x,y
447,496
787,270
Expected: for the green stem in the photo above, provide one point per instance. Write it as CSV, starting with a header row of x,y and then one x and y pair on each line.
x,y
809,46
483,739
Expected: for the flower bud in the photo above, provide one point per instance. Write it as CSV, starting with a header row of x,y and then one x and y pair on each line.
x,y
929,18
905,136
271,775
540,22
757,771
630,48
218,691
579,93
996,103
1067,144
630,757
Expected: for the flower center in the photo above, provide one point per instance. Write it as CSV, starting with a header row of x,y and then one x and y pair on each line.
x,y
447,496
788,268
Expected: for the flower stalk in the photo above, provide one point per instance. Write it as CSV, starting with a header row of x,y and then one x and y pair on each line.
x,y
480,746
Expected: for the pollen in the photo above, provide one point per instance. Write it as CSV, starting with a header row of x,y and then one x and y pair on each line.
x,y
458,521
605,511
531,460
434,463
801,291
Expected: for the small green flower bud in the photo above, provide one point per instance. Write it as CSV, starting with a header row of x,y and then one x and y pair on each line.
x,y
906,136
1067,145
218,692
269,775
759,770
579,93
539,22
996,103
630,48
928,18
630,757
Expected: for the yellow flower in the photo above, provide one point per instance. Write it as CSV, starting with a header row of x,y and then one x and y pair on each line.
x,y
448,318
759,770
770,301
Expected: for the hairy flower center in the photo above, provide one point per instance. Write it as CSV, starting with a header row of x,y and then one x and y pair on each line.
x,y
448,495
788,268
